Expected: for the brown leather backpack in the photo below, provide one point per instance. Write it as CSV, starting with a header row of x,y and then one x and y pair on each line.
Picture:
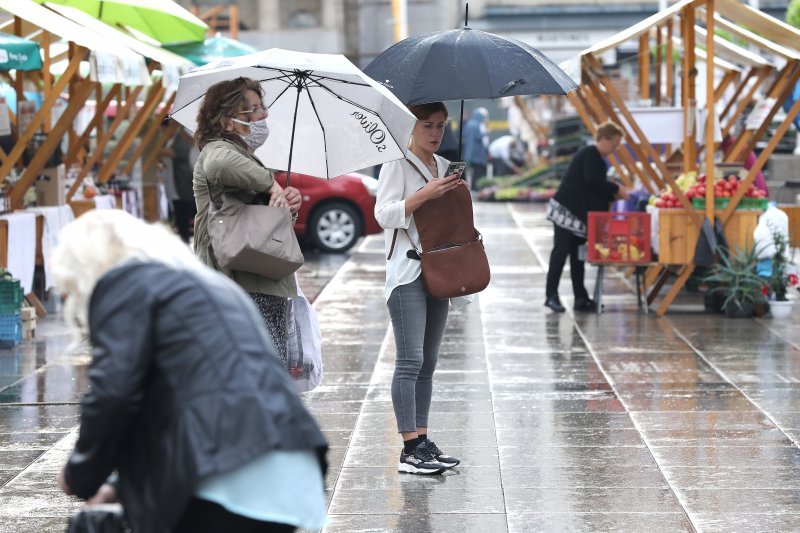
x,y
454,261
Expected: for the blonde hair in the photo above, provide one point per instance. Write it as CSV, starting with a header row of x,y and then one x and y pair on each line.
x,y
101,240
608,130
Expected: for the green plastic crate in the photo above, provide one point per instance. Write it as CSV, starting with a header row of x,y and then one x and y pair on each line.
x,y
11,295
753,203
719,203
10,330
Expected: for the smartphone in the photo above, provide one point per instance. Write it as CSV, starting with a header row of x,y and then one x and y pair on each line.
x,y
456,167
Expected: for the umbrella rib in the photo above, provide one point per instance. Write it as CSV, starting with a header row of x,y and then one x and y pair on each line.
x,y
322,127
342,98
278,97
315,77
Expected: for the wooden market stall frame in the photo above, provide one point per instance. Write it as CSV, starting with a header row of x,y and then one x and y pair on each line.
x,y
598,100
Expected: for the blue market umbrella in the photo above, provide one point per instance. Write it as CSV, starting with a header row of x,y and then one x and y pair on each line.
x,y
17,53
213,48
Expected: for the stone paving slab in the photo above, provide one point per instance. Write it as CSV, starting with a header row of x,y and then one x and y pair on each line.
x,y
622,421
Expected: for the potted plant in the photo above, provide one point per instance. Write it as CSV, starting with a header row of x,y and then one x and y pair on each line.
x,y
736,280
780,280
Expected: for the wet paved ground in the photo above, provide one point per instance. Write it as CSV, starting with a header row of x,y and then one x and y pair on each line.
x,y
622,421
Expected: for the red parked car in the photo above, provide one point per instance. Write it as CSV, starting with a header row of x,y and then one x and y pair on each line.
x,y
335,212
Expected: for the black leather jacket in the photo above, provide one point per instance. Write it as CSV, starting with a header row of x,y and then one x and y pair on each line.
x,y
184,383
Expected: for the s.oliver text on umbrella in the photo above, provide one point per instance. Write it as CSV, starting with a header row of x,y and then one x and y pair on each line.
x,y
376,135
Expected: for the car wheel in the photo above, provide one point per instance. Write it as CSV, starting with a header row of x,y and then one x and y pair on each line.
x,y
335,227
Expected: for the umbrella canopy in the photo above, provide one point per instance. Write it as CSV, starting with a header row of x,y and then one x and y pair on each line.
x,y
464,64
216,47
17,53
343,120
163,20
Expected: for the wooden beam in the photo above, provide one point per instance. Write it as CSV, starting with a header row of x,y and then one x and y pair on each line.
x,y
737,92
761,161
97,119
689,75
670,66
110,164
144,142
644,143
711,110
615,161
605,112
787,79
43,114
748,98
726,80
644,66
233,20
122,112
686,271
33,168
160,142
658,64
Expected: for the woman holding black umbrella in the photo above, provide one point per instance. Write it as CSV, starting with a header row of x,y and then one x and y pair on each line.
x,y
418,319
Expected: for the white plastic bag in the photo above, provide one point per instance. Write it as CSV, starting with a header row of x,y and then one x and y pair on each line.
x,y
304,344
460,302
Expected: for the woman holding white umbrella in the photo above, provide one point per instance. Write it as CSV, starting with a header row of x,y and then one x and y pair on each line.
x,y
231,125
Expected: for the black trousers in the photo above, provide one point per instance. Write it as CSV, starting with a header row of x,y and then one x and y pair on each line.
x,y
202,516
566,243
184,213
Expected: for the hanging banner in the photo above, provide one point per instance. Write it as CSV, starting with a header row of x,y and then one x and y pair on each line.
x,y
105,68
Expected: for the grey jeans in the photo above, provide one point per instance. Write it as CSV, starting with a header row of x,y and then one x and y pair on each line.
x,y
418,320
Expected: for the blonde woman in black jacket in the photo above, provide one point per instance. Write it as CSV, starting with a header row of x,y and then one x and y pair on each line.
x,y
206,433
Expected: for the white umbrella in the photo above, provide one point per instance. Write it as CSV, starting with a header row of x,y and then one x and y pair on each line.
x,y
326,117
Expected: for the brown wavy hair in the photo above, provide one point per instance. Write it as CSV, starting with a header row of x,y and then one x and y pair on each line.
x,y
223,100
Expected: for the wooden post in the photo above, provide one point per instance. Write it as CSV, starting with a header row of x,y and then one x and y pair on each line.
x,y
96,121
233,20
744,102
786,81
761,161
160,142
670,65
40,116
711,110
144,142
658,61
110,165
19,78
737,92
726,80
644,66
688,93
122,111
76,102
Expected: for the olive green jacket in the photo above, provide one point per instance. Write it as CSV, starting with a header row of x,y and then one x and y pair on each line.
x,y
225,167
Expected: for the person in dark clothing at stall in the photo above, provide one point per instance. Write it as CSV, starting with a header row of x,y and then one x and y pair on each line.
x,y
183,174
583,188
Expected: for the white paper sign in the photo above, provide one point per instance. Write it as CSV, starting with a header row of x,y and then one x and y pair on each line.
x,y
26,109
759,113
5,119
105,68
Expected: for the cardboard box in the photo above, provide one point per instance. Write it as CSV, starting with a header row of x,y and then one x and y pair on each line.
x,y
51,186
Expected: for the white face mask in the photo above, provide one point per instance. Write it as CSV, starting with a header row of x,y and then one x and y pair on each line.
x,y
258,132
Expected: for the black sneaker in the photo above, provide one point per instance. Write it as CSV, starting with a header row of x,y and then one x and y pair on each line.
x,y
447,460
420,461
554,303
586,305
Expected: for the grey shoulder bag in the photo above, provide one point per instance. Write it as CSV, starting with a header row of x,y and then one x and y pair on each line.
x,y
253,238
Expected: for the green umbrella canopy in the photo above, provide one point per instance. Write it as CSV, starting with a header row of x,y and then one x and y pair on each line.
x,y
212,48
162,20
17,53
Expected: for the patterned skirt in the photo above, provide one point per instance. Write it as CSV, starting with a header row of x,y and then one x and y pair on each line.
x,y
274,310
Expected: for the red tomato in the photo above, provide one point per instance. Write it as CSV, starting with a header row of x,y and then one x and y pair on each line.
x,y
660,203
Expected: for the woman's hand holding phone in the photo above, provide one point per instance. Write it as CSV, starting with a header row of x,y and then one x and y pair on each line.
x,y
438,187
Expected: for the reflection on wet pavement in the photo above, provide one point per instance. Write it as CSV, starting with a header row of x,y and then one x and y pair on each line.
x,y
622,421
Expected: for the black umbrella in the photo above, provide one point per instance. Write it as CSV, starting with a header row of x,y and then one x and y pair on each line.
x,y
464,64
